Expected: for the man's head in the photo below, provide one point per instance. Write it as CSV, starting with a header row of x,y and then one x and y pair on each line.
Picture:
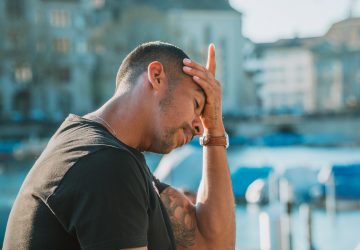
x,y
173,100
138,60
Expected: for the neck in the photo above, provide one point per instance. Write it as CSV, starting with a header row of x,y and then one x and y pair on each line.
x,y
124,117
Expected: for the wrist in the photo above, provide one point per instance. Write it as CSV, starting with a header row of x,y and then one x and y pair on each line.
x,y
215,138
218,131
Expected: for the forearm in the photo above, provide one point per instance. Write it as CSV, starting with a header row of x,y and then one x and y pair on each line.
x,y
215,208
215,215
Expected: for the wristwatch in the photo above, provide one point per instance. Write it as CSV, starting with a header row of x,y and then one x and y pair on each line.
x,y
208,140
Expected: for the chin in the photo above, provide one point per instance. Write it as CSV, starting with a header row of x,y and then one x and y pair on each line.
x,y
164,147
167,151
161,150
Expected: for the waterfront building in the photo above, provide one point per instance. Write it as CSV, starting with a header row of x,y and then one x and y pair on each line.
x,y
62,34
338,64
61,56
311,75
329,78
46,65
15,58
288,76
253,77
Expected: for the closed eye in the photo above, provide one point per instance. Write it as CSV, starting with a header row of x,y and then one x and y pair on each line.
x,y
196,104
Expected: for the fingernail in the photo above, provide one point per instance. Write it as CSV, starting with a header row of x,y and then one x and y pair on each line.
x,y
196,78
187,60
187,68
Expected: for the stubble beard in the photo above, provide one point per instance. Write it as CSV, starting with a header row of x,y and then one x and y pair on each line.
x,y
166,143
167,140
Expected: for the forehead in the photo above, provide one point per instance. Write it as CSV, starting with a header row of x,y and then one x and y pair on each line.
x,y
186,83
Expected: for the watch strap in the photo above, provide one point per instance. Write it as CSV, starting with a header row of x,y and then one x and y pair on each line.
x,y
209,140
215,141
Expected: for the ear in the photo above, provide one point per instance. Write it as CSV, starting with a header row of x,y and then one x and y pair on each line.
x,y
156,75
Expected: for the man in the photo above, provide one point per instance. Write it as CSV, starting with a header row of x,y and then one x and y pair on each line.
x,y
91,188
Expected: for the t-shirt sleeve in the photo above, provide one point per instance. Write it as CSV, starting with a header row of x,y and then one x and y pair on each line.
x,y
159,185
103,202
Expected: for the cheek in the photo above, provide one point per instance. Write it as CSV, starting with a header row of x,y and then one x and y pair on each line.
x,y
185,110
178,113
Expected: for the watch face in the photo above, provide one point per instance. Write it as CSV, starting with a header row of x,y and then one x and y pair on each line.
x,y
206,140
227,140
203,140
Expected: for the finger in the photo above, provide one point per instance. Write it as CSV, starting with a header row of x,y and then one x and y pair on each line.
x,y
211,61
195,72
208,90
194,64
203,85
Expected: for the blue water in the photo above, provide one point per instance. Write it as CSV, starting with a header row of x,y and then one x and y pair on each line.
x,y
341,232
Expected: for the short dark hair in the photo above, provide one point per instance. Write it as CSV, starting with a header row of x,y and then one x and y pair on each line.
x,y
137,61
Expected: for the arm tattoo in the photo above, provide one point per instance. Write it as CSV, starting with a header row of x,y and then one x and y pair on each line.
x,y
182,216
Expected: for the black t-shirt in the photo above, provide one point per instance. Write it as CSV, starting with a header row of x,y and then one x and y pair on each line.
x,y
88,191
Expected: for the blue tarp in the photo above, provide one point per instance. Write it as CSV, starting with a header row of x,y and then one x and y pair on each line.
x,y
347,181
244,176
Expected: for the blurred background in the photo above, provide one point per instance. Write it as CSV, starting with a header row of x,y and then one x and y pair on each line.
x,y
291,90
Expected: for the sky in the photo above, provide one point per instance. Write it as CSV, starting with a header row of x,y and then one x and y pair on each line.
x,y
270,20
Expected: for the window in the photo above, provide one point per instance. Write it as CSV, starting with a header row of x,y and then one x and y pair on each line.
x,y
14,40
60,18
97,4
61,45
39,16
40,46
15,8
63,74
82,47
23,74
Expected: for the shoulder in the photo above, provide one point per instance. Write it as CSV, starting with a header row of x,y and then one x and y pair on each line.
x,y
110,156
108,167
110,175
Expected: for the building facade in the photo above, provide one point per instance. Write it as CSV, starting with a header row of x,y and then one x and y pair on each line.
x,y
61,56
312,75
344,51
288,77
46,66
15,54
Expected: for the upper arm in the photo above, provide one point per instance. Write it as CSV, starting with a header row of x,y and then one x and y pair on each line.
x,y
182,215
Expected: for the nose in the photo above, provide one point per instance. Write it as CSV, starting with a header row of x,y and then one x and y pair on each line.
x,y
197,126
